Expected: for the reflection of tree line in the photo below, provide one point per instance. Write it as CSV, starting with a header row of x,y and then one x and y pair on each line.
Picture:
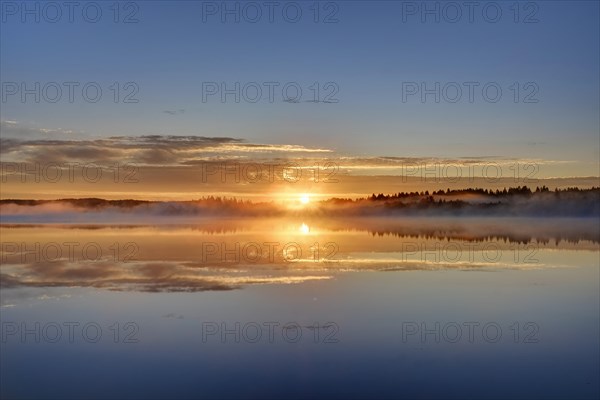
x,y
575,238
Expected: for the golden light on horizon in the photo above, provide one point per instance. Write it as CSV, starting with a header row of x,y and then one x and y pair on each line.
x,y
305,199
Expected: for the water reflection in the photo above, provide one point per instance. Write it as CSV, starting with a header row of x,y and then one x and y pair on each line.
x,y
369,277
230,254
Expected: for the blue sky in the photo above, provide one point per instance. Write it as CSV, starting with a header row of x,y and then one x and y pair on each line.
x,y
368,54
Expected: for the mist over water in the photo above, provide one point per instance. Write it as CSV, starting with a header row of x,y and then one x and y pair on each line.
x,y
517,202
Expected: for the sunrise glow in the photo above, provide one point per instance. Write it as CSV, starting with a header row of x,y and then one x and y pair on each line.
x,y
305,199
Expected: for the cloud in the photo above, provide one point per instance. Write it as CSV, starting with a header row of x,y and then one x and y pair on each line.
x,y
21,143
173,315
16,129
188,167
145,150
174,112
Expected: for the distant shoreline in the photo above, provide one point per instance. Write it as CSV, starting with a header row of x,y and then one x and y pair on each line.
x,y
517,202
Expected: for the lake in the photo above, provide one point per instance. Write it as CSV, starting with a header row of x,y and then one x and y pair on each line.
x,y
352,308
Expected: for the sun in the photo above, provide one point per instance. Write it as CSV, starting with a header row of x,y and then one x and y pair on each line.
x,y
305,229
305,199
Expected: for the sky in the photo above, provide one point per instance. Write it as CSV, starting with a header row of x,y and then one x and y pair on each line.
x,y
363,68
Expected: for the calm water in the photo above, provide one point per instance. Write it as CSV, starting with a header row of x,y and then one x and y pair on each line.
x,y
414,308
